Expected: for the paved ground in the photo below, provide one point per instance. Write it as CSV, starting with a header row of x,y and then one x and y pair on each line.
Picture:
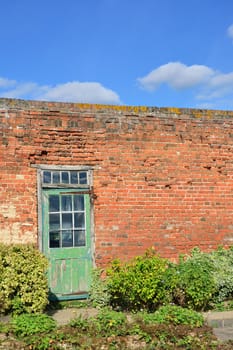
x,y
64,316
222,323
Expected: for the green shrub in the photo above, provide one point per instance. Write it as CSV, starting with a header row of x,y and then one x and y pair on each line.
x,y
195,284
222,260
205,278
173,314
23,283
146,282
99,293
140,283
28,324
106,323
81,323
109,322
5,327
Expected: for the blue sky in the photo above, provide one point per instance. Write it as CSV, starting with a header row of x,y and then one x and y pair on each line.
x,y
168,53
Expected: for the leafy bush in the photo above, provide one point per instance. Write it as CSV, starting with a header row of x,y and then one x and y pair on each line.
x,y
222,260
106,323
81,323
173,314
28,324
195,284
140,283
99,293
148,281
23,283
109,322
205,278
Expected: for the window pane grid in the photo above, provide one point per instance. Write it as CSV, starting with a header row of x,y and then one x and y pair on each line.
x,y
55,177
67,226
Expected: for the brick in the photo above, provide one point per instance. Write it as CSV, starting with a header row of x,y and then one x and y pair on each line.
x,y
162,177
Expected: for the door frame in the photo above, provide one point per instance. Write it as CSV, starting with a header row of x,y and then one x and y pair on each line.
x,y
89,187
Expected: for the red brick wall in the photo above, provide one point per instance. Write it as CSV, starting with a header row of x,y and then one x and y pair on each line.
x,y
162,177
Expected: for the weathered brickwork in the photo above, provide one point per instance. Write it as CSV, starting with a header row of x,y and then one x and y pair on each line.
x,y
162,177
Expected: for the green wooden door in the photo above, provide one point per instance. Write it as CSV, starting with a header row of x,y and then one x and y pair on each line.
x,y
66,242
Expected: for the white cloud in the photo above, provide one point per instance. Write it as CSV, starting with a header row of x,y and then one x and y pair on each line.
x,y
206,105
86,92
5,83
22,90
230,31
81,92
220,79
177,75
207,84
220,85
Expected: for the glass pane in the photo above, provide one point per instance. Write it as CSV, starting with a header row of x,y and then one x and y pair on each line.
x,y
54,239
66,203
79,220
78,202
67,238
54,222
56,177
79,238
67,221
47,177
65,177
54,203
83,178
74,177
